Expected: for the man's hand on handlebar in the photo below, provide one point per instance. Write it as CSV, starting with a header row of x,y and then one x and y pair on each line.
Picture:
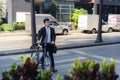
x,y
38,42
52,42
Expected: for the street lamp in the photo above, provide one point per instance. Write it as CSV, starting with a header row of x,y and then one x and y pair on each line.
x,y
99,34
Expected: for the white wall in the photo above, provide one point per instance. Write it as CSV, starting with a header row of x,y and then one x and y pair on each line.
x,y
21,16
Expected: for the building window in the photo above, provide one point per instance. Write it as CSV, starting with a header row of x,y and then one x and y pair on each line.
x,y
64,12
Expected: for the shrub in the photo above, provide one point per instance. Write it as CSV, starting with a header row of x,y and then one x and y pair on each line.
x,y
86,70
89,70
27,71
108,70
6,27
19,25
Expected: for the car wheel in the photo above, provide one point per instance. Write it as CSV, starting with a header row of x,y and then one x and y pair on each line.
x,y
110,30
65,32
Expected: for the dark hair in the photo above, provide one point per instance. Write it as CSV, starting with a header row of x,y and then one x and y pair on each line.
x,y
46,19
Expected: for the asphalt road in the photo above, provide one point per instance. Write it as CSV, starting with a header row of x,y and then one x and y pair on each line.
x,y
64,58
24,41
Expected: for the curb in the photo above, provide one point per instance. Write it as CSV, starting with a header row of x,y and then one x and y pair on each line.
x,y
90,45
28,50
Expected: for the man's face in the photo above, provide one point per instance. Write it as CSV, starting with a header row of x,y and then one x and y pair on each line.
x,y
47,23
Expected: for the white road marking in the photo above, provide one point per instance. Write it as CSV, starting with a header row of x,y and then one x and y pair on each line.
x,y
96,56
69,59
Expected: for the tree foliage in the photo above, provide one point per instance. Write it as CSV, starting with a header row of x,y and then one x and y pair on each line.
x,y
75,14
1,9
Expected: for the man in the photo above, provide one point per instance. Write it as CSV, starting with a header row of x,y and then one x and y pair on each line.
x,y
47,37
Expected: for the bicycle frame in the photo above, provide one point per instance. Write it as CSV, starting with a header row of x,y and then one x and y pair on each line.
x,y
37,57
47,60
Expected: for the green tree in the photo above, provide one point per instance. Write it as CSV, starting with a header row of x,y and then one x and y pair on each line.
x,y
1,9
51,8
75,14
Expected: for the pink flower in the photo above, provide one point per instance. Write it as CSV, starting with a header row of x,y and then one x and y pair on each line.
x,y
90,69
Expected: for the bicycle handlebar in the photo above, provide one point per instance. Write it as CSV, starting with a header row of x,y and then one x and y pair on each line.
x,y
35,46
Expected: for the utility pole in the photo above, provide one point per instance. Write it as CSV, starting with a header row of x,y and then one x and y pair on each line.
x,y
33,25
99,34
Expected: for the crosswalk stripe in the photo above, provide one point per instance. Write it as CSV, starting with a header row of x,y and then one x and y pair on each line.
x,y
95,56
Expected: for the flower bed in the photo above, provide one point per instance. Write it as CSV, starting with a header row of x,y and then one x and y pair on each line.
x,y
27,71
81,70
89,70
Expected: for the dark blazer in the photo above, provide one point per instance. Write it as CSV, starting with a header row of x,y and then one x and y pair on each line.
x,y
42,34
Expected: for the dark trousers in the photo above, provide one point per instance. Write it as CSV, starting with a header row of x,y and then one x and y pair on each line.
x,y
50,51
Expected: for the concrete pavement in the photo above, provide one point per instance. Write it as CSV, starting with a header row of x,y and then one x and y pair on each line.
x,y
74,40
64,58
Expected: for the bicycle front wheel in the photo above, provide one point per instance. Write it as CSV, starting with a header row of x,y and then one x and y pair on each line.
x,y
36,55
47,61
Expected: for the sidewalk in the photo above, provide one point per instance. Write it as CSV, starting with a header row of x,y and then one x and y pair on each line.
x,y
88,43
14,33
81,41
72,43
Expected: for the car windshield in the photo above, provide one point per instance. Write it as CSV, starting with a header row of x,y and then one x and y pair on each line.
x,y
54,23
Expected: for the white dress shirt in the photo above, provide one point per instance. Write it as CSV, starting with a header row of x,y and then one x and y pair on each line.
x,y
48,39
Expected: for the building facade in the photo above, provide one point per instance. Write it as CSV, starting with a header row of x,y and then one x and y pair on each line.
x,y
63,13
14,8
92,6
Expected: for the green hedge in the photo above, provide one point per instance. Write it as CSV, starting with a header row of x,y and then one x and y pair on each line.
x,y
15,26
6,27
19,25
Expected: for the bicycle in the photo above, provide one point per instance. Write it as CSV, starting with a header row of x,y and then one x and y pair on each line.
x,y
36,54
